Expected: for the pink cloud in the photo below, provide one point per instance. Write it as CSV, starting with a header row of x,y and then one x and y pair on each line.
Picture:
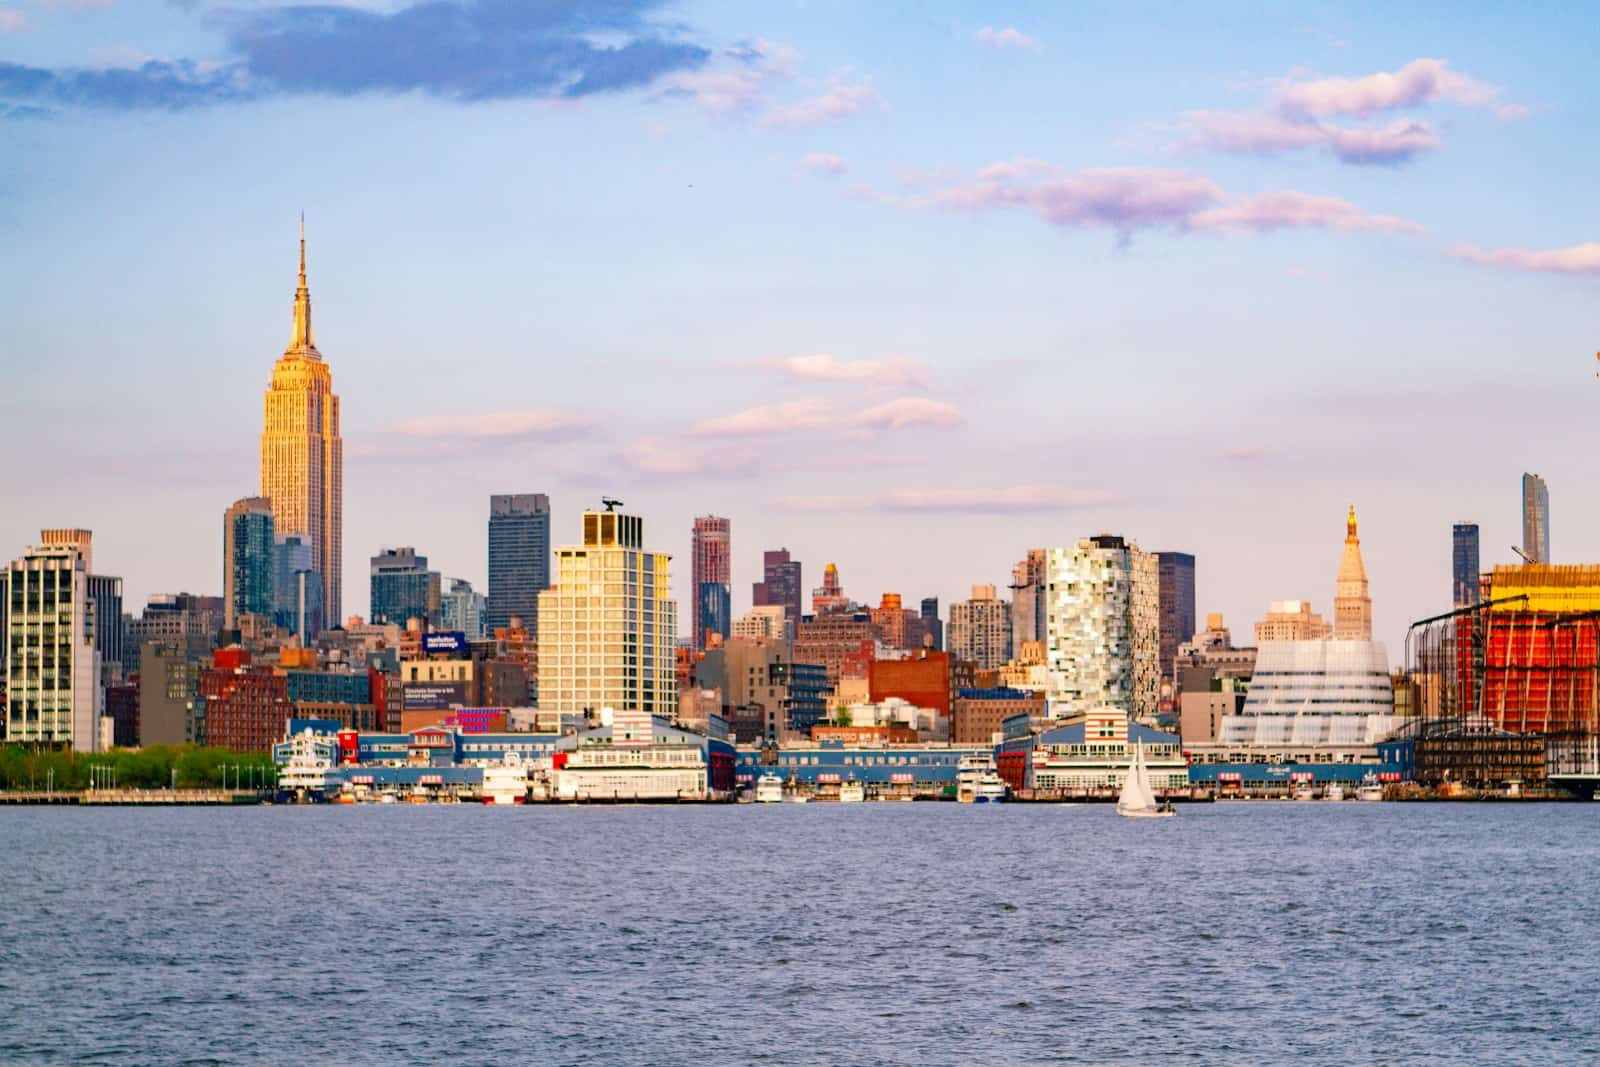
x,y
1131,198
1015,498
840,101
1574,259
1262,133
1121,198
1292,210
823,163
12,21
903,413
896,372
738,83
541,423
670,457
1418,82
1247,453
1006,38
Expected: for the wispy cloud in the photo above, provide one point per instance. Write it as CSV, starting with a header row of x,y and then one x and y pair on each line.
x,y
738,80
1421,81
903,413
12,21
893,372
1246,454
1292,210
1265,134
465,50
1128,199
547,424
670,457
1573,259
1006,38
1301,109
842,100
1007,499
823,163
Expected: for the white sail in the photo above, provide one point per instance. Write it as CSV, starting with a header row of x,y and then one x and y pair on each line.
x,y
1136,792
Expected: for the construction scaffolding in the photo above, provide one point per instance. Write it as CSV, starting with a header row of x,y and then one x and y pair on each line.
x,y
1509,689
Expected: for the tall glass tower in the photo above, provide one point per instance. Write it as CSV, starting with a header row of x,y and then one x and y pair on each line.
x,y
302,454
247,546
519,559
1464,564
1535,519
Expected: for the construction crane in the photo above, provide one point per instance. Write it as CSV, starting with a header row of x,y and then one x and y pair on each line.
x,y
1525,557
610,503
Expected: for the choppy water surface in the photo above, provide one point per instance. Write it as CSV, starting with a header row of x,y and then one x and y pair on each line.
x,y
907,933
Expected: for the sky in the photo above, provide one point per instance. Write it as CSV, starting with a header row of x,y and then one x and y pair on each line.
x,y
912,288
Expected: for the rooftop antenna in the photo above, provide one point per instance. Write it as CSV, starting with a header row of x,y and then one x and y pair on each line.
x,y
610,503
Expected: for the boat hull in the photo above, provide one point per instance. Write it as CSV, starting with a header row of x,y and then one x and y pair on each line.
x,y
1146,814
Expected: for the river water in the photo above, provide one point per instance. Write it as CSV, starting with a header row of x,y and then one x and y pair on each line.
x,y
875,933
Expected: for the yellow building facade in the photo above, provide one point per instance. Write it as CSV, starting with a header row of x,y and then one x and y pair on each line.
x,y
302,454
608,629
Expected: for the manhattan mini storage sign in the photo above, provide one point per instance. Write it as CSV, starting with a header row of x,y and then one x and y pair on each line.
x,y
434,696
444,641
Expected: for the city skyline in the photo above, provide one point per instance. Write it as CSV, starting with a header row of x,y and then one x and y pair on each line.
x,y
783,258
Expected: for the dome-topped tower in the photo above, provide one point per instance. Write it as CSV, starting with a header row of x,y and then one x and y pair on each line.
x,y
1352,604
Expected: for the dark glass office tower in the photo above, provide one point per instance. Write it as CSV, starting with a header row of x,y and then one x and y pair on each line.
x,y
519,559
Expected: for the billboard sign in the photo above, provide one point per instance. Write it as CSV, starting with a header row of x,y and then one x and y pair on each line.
x,y
434,696
444,641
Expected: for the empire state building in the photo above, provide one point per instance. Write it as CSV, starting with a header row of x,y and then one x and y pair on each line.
x,y
302,456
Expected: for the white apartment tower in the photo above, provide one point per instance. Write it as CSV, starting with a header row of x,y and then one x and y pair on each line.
x,y
53,694
608,629
1103,628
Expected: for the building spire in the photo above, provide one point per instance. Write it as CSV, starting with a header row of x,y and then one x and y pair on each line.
x,y
302,342
1349,523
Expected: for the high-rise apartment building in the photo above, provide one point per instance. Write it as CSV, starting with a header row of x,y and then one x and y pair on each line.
x,y
715,607
980,629
609,627
764,622
710,553
1102,627
106,592
302,454
1028,598
461,608
519,559
932,626
1464,565
403,588
780,583
898,626
247,564
1175,571
297,597
1535,519
1352,605
54,694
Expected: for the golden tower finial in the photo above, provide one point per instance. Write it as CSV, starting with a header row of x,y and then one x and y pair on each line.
x,y
1350,524
302,342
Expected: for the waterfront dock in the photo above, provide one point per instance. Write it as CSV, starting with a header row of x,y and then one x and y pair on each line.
x,y
138,797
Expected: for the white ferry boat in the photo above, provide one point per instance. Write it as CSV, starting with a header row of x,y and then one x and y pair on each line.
x,y
769,789
991,789
1370,788
852,792
303,773
1335,791
969,773
506,783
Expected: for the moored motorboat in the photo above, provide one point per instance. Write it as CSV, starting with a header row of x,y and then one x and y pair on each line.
x,y
1370,788
991,789
769,789
852,792
1334,791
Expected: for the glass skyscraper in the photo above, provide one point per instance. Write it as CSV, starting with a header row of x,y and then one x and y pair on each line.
x,y
247,547
1535,519
1464,564
1175,575
403,588
519,559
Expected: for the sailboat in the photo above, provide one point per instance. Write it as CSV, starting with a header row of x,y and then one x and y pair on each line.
x,y
1138,800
